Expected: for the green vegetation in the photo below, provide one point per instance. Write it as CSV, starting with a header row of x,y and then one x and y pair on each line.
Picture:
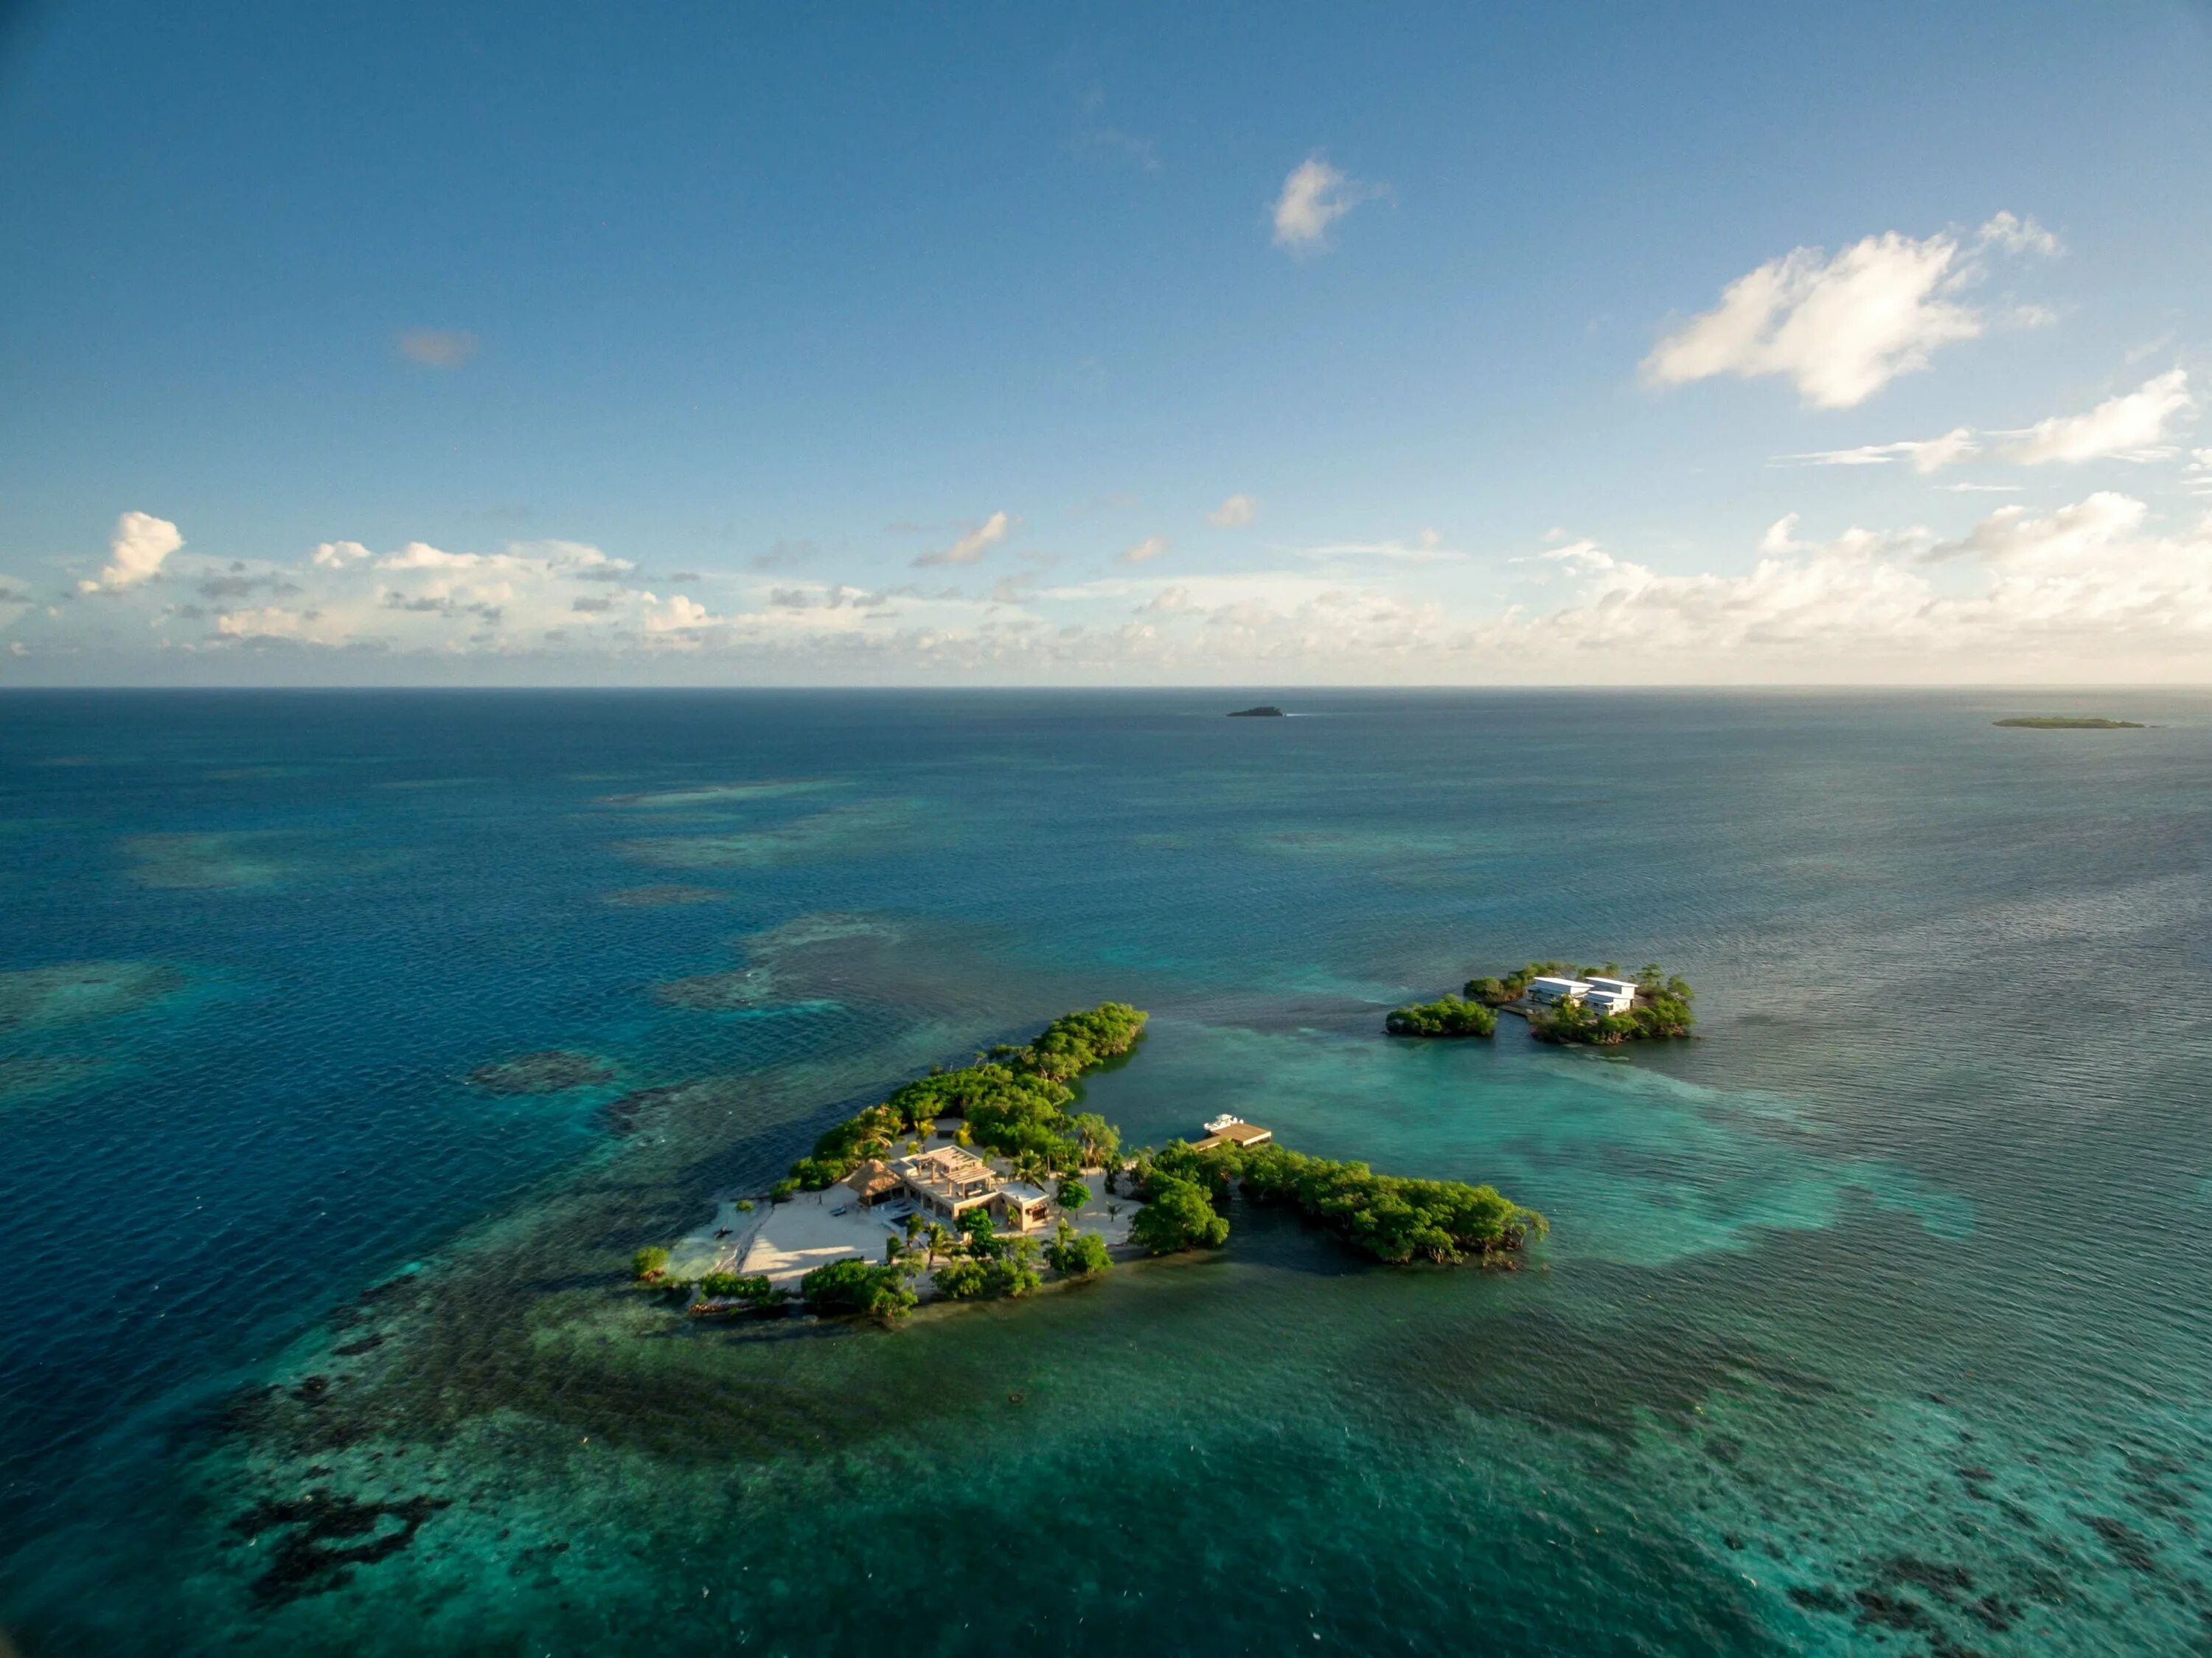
x,y
1077,1254
1178,1212
1013,1101
1073,1194
732,1286
848,1286
1497,993
648,1264
1385,1215
2070,722
1448,1016
1000,1268
781,1190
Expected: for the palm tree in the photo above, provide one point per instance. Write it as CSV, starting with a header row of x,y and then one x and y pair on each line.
x,y
939,1238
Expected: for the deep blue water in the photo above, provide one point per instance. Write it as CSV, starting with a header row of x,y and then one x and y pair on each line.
x,y
1874,1318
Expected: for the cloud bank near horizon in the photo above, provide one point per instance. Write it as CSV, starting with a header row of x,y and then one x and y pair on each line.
x,y
2096,589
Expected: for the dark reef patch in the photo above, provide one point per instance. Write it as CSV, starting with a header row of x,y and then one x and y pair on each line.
x,y
664,897
2129,1545
556,1071
726,992
319,1552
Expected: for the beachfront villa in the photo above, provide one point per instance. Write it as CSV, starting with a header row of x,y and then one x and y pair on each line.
x,y
950,1181
1598,993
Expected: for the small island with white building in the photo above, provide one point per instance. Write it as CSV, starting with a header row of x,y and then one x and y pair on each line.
x,y
1593,1007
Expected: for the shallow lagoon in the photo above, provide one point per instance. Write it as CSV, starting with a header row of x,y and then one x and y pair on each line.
x,y
1879,1312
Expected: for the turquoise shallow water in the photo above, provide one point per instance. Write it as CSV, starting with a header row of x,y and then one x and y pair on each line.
x,y
1874,1319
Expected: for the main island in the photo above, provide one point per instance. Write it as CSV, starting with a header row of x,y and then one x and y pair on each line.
x,y
982,1182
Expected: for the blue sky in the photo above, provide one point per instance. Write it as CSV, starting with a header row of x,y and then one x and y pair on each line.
x,y
1277,344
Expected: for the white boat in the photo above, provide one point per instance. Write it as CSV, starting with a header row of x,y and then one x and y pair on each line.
x,y
1227,1120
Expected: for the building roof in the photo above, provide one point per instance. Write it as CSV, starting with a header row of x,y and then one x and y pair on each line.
x,y
871,1178
952,1172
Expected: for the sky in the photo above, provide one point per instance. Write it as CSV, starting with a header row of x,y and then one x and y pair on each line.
x,y
1277,344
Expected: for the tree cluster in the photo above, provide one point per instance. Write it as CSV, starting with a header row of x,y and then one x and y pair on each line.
x,y
1449,1016
1386,1216
1179,1186
1075,1255
883,1293
1014,1100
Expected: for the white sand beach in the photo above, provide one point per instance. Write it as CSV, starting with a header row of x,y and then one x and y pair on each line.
x,y
783,1242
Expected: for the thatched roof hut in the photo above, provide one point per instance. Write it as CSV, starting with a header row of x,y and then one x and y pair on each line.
x,y
872,1182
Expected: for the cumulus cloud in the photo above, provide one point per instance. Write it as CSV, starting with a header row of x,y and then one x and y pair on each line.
x,y
2132,426
1314,197
972,545
337,555
2087,588
135,552
1144,551
1235,513
1841,328
437,348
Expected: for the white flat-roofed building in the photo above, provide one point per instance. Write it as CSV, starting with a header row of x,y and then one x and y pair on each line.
x,y
1609,995
1551,991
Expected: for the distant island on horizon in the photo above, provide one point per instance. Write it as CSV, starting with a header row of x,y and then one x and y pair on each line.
x,y
2070,722
1264,711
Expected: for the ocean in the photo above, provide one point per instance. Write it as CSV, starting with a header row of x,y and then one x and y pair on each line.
x,y
1873,1319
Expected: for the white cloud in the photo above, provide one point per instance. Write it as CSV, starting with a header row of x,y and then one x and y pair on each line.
x,y
336,555
1144,551
420,555
2066,537
1839,329
1314,197
2084,591
271,621
135,552
973,545
677,611
2132,426
1235,513
437,348
1924,455
2017,236
1169,601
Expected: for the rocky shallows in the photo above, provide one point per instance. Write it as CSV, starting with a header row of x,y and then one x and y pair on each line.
x,y
982,1182
556,1071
